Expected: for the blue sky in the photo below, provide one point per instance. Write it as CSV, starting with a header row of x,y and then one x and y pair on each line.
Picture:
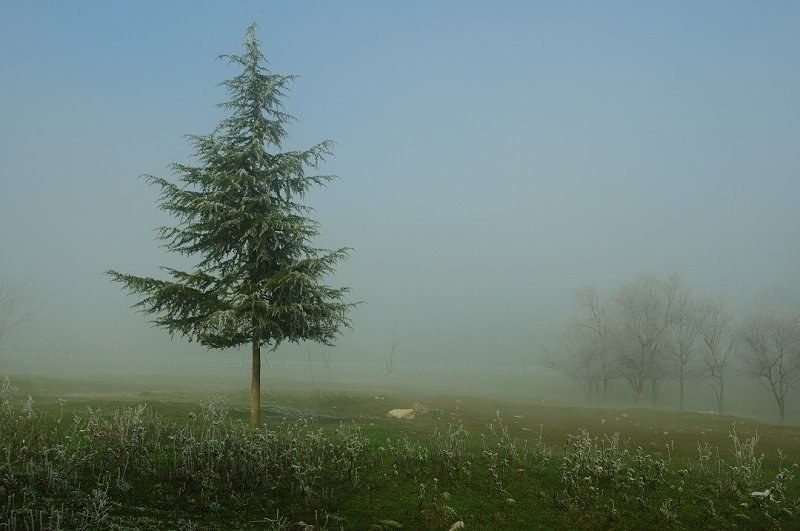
x,y
494,156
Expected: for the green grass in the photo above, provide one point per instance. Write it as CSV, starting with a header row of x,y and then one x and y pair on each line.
x,y
88,455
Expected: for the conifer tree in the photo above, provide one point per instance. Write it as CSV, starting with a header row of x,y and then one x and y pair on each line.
x,y
258,279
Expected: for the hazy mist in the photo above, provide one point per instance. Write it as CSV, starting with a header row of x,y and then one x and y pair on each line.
x,y
493,159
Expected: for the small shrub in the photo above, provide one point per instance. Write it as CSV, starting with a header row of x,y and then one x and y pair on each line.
x,y
349,447
590,461
746,470
503,453
448,452
669,513
644,471
409,457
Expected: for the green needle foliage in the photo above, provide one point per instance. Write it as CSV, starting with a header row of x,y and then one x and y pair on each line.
x,y
258,279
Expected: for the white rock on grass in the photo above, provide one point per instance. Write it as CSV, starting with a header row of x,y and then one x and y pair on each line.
x,y
405,414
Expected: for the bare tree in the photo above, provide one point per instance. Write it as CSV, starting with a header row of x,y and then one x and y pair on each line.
x,y
16,307
773,354
326,360
390,361
575,360
594,323
645,310
586,353
684,335
715,329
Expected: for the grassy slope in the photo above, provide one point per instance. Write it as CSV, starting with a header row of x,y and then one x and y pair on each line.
x,y
532,494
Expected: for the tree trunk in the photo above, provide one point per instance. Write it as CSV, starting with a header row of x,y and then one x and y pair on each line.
x,y
653,390
681,392
255,384
779,399
720,397
639,391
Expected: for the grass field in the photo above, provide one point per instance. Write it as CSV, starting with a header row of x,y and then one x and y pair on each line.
x,y
94,455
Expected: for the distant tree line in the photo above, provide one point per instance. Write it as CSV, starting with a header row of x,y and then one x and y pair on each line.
x,y
653,329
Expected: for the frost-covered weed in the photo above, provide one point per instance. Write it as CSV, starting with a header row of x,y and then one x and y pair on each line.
x,y
27,409
593,464
230,457
503,453
704,454
772,498
591,461
645,471
7,392
279,523
96,509
126,435
540,451
448,451
594,469
744,473
669,512
304,455
409,457
436,513
352,445
214,410
75,475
